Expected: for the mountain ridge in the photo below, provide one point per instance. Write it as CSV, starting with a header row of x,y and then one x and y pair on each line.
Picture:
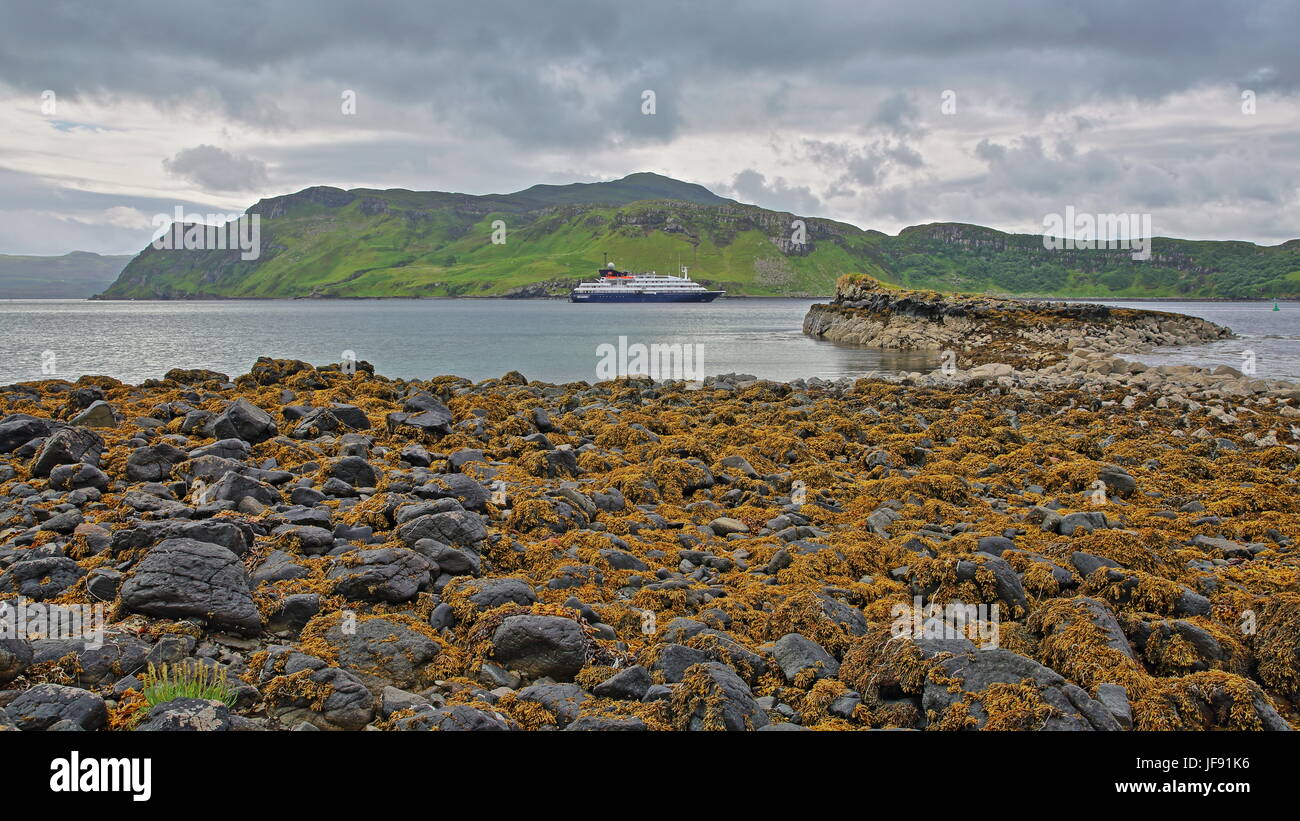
x,y
76,274
329,242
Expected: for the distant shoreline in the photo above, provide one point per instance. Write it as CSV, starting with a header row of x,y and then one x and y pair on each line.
x,y
827,297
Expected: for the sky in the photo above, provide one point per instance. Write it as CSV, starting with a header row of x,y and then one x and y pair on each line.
x,y
880,114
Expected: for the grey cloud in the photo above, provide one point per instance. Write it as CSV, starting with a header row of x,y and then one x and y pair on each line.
x,y
498,96
899,113
752,187
865,165
217,169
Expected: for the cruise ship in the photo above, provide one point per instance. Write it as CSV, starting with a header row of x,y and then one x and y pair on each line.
x,y
619,286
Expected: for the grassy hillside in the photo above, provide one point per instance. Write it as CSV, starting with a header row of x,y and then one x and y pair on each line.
x,y
76,275
326,242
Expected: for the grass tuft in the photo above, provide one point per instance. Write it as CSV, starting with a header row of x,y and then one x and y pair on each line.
x,y
163,683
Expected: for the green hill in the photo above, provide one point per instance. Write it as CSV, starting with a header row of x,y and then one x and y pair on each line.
x,y
76,275
326,242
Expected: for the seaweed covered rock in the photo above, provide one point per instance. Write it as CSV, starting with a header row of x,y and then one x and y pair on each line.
x,y
712,697
384,574
380,651
630,555
1000,690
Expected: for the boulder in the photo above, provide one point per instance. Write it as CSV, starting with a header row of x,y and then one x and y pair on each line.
x,y
187,715
712,697
795,654
44,705
243,420
183,577
381,575
550,646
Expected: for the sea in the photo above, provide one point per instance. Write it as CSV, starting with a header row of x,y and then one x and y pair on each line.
x,y
548,340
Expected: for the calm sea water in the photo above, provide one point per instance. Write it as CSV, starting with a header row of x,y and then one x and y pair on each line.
x,y
544,339
1271,339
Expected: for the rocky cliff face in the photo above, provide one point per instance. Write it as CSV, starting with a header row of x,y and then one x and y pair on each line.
x,y
992,329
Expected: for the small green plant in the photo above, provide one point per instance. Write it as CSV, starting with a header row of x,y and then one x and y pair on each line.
x,y
188,680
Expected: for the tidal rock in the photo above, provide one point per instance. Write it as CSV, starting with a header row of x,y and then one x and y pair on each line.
x,y
381,575
243,420
44,705
187,715
541,645
182,577
712,697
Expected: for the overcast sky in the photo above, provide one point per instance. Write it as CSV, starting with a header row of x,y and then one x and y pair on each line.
x,y
832,109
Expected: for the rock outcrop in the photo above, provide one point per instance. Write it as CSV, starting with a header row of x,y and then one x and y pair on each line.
x,y
981,329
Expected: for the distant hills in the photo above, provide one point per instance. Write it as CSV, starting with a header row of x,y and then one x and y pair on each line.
x,y
78,274
326,242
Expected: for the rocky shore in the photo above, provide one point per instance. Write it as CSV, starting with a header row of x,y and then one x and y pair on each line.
x,y
982,329
351,551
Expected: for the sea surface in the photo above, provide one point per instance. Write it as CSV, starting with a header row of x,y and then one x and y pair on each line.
x,y
549,340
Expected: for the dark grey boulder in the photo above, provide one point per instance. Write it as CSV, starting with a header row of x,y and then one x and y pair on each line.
x,y
622,560
450,560
15,653
1101,616
383,652
1087,521
78,475
98,414
416,456
491,593
976,671
451,527
464,489
44,705
234,487
1118,481
232,448
630,684
95,663
293,612
243,420
153,463
795,654
340,699
182,577
354,470
381,575
18,429
564,701
673,660
41,578
460,458
456,718
541,646
67,446
307,539
232,534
